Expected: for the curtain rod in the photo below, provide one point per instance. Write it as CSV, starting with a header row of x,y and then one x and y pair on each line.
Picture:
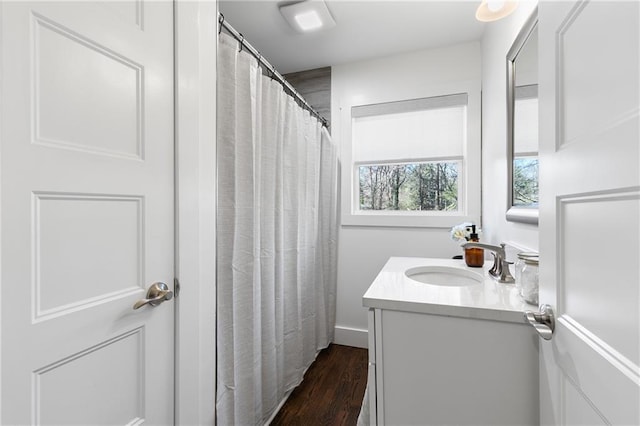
x,y
270,68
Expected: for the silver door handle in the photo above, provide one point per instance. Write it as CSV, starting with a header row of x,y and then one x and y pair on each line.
x,y
157,293
543,321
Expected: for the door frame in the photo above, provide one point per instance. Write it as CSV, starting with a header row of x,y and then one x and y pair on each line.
x,y
195,30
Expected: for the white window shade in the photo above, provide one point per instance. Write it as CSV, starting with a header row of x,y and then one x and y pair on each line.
x,y
525,125
420,129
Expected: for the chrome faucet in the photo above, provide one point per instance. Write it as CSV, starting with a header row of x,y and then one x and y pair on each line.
x,y
500,269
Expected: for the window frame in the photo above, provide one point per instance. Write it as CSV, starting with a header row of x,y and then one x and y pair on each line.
x,y
469,184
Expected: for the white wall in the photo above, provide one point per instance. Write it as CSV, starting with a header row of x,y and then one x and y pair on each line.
x,y
496,42
363,251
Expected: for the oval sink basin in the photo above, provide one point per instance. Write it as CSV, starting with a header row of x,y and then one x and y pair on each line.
x,y
444,276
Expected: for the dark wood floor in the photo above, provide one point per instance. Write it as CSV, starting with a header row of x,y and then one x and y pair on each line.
x,y
331,392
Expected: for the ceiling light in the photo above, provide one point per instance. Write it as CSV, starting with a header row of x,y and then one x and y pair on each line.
x,y
495,5
492,10
307,16
308,21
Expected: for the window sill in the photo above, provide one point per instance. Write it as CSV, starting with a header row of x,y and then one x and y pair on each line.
x,y
407,220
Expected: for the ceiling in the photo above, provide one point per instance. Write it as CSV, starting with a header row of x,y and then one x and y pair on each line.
x,y
365,29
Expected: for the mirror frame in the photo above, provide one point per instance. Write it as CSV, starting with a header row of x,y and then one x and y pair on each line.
x,y
517,213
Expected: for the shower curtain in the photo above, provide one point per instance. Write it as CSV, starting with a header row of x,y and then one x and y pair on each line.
x,y
277,231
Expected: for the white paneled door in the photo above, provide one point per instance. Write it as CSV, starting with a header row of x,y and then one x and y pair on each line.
x,y
86,189
590,211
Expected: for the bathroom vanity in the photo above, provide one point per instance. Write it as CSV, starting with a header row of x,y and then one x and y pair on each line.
x,y
448,345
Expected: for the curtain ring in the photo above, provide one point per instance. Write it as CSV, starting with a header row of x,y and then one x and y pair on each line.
x,y
241,43
220,21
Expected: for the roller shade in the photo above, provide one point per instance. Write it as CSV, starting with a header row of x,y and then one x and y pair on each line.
x,y
525,123
428,128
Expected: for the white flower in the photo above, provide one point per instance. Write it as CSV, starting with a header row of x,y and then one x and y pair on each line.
x,y
461,232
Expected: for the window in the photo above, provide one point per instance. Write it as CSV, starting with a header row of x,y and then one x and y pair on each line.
x,y
408,159
416,186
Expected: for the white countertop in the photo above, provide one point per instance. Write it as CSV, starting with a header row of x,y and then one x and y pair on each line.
x,y
489,300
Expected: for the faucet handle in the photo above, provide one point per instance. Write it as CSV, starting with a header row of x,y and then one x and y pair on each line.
x,y
495,269
505,274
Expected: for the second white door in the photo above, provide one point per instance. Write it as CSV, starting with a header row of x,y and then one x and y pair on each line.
x,y
86,188
590,211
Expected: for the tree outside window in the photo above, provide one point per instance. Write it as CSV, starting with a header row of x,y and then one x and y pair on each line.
x,y
424,186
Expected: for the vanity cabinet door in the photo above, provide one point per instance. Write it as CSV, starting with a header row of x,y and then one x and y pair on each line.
x,y
434,370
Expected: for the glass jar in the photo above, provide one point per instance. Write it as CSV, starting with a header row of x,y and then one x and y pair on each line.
x,y
520,264
474,257
529,277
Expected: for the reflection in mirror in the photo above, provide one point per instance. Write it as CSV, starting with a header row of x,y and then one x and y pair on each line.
x,y
525,146
522,67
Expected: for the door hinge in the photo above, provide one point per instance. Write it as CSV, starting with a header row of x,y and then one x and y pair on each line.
x,y
176,287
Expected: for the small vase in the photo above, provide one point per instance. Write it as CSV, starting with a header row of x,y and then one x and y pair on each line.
x,y
474,257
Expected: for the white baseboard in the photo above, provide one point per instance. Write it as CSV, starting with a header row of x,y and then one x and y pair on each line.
x,y
277,410
351,337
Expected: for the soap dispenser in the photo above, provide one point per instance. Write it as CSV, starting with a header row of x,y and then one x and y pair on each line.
x,y
474,257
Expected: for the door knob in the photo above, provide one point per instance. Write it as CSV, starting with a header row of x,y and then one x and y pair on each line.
x,y
158,292
543,321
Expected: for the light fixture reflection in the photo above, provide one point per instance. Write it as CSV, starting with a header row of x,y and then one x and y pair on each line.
x,y
492,10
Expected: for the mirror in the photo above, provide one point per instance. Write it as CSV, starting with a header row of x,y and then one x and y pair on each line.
x,y
522,124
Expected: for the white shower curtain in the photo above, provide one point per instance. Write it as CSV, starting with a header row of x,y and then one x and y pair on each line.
x,y
277,230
